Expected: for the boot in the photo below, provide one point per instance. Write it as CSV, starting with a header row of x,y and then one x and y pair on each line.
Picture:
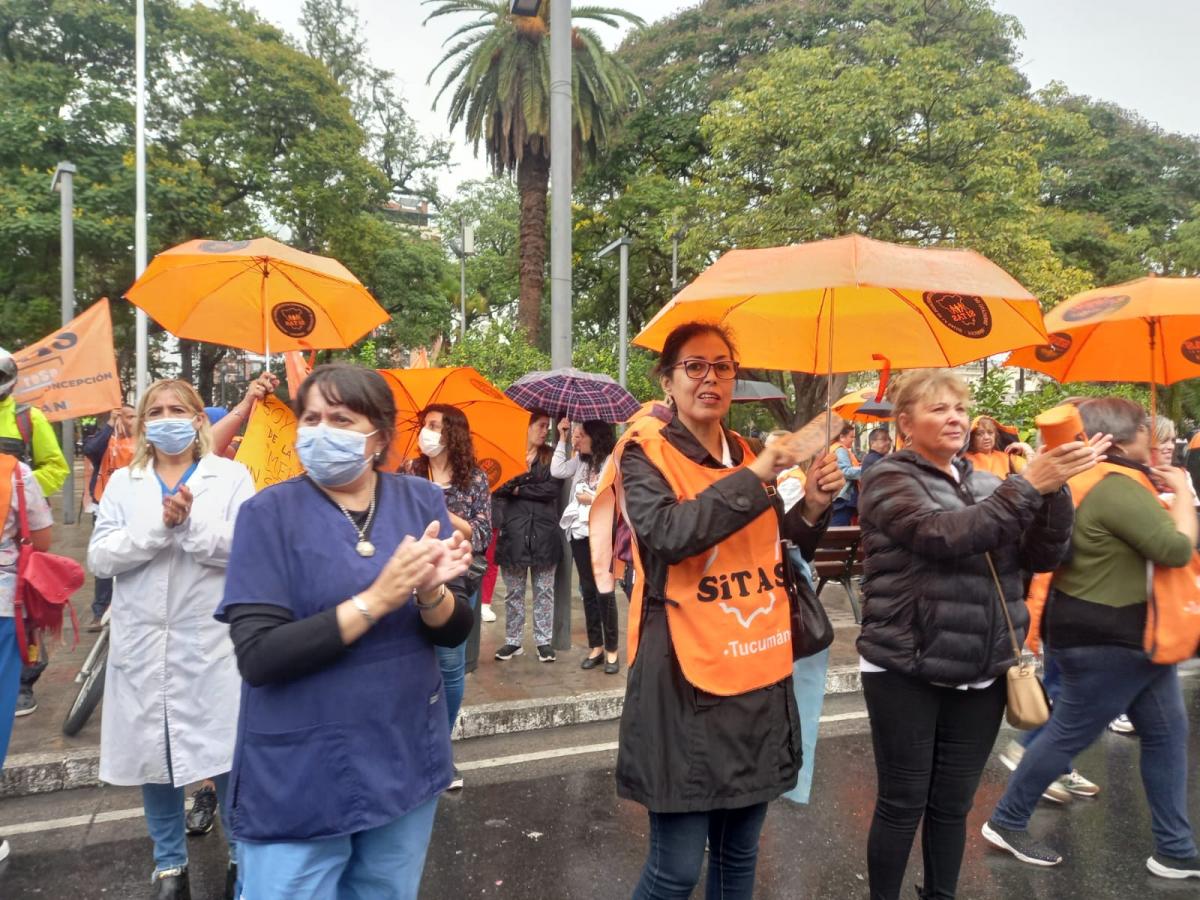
x,y
171,884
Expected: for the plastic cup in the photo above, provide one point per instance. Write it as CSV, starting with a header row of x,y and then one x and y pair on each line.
x,y
1060,425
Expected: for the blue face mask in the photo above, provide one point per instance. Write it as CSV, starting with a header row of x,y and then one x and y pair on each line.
x,y
332,456
171,436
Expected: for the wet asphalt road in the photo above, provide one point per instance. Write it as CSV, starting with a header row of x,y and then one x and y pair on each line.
x,y
552,827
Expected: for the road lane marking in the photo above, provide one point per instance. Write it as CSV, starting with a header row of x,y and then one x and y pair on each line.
x,y
115,815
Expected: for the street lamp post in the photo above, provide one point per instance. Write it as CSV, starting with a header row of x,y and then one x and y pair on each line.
x,y
623,243
675,239
142,340
64,183
465,248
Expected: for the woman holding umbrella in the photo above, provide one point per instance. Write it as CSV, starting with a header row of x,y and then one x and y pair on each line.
x,y
709,730
528,542
987,453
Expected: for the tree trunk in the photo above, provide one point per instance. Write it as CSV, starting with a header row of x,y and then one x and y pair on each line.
x,y
533,181
810,395
186,356
210,355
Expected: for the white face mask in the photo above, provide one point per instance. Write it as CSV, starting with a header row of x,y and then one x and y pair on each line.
x,y
430,442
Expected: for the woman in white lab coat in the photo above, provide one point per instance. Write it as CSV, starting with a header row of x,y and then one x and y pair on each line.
x,y
171,691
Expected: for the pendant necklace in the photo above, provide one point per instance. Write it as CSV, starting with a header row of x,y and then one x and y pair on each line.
x,y
364,547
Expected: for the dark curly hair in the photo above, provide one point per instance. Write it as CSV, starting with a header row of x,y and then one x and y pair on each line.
x,y
604,438
456,434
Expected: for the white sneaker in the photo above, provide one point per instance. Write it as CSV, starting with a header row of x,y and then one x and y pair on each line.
x,y
486,614
5,849
1078,786
1011,755
1121,725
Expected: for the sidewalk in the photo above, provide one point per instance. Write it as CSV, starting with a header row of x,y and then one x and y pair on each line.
x,y
501,697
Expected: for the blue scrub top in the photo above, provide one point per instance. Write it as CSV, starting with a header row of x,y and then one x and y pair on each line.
x,y
363,741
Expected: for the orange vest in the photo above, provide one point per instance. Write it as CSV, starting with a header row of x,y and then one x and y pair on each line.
x,y
8,469
836,446
997,462
117,455
728,613
1172,603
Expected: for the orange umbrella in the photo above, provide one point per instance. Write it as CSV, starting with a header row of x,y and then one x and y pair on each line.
x,y
832,306
850,405
498,426
1147,329
257,295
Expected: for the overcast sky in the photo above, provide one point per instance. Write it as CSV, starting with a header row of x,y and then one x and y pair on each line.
x,y
1141,55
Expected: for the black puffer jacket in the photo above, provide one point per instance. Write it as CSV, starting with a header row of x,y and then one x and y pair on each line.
x,y
529,532
930,607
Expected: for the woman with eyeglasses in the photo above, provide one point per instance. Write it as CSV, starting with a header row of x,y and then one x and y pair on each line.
x,y
709,732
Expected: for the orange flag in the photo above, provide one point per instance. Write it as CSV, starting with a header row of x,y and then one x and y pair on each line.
x,y
73,372
297,369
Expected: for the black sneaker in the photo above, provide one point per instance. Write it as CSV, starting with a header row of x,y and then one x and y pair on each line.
x,y
508,651
456,781
1020,844
171,884
26,704
1171,867
546,653
203,813
231,877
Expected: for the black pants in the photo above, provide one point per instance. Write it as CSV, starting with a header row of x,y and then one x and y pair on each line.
x,y
599,610
931,744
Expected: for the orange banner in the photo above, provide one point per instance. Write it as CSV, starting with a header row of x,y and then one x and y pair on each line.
x,y
73,372
268,449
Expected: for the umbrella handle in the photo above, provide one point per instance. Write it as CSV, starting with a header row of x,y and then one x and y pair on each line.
x,y
884,376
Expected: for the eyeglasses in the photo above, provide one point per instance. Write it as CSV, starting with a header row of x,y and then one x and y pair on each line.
x,y
698,369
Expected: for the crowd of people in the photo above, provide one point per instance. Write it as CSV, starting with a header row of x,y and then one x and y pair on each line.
x,y
257,638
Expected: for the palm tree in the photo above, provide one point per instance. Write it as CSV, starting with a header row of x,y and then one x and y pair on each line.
x,y
500,72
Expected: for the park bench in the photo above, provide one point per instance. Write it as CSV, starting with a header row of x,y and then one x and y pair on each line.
x,y
839,559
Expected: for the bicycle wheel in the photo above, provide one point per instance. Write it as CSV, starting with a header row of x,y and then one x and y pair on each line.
x,y
90,693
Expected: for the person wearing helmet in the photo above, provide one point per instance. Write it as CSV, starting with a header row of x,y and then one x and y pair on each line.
x,y
25,434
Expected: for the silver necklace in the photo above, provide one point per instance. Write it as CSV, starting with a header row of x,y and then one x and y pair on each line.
x,y
364,547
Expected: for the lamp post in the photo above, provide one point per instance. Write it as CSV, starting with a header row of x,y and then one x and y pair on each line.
x,y
64,183
465,248
142,340
622,243
679,235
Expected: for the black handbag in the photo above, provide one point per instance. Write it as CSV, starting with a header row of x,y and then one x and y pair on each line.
x,y
475,573
812,631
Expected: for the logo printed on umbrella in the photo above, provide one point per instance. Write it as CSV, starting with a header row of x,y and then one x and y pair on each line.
x,y
1060,343
484,388
222,246
1191,349
294,319
1095,306
491,469
963,314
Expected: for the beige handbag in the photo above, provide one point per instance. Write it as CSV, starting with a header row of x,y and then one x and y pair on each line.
x,y
1028,705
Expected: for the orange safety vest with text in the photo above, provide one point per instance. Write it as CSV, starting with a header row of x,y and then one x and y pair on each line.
x,y
1172,598
727,608
8,468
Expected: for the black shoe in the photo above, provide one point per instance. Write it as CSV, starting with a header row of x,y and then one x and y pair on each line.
x,y
26,704
612,666
1172,867
456,781
508,651
591,662
1020,844
203,813
231,876
171,884
546,653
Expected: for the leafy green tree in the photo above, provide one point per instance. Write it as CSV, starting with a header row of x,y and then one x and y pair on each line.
x,y
500,76
494,271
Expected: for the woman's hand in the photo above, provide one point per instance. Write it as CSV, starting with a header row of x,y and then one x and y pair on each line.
x,y
773,460
564,430
584,495
259,388
408,568
1176,480
1020,448
824,482
177,507
1051,469
449,558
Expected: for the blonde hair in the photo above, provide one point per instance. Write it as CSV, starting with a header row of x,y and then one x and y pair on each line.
x,y
1164,430
143,451
917,385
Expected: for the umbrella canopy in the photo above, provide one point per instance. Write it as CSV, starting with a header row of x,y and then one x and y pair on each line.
x,y
258,295
860,406
1142,330
580,396
498,426
833,306
745,391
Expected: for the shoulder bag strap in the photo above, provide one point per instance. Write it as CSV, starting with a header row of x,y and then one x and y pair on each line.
x,y
1012,631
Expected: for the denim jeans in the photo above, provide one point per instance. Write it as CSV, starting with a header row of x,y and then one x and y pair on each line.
x,y
10,681
383,863
102,598
166,821
453,662
844,512
1098,684
677,853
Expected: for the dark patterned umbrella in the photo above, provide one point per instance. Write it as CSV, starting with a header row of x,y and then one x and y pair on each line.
x,y
580,396
746,391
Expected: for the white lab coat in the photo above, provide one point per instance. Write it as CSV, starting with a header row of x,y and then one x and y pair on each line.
x,y
171,667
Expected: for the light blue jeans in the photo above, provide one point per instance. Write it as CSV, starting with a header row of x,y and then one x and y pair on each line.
x,y
383,863
10,680
453,663
166,821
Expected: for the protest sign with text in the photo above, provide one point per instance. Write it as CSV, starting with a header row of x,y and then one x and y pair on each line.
x,y
268,448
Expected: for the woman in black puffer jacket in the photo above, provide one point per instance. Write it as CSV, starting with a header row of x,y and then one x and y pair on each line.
x,y
934,643
526,513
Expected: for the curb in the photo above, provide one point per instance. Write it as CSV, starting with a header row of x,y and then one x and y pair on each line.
x,y
43,773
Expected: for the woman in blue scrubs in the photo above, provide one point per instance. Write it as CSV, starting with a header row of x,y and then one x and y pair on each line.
x,y
336,598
